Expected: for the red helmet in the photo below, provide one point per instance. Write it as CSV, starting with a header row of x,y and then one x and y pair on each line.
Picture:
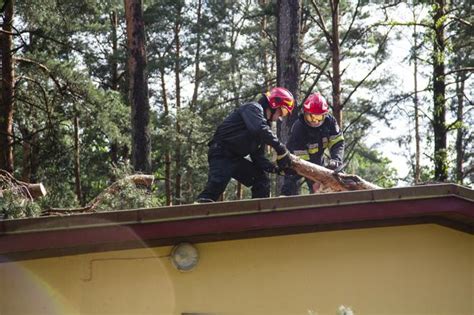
x,y
280,97
316,104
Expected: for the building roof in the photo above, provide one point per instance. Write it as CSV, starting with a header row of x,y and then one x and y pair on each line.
x,y
449,205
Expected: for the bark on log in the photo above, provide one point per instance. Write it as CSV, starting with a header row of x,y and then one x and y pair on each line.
x,y
327,177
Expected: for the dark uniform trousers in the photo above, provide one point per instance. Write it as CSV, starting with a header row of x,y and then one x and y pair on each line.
x,y
224,165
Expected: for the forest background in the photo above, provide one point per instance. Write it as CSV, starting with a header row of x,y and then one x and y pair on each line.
x,y
75,116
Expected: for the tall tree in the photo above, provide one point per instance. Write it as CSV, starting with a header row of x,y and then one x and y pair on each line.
x,y
439,91
7,87
336,62
461,65
416,105
288,58
177,74
138,86
288,55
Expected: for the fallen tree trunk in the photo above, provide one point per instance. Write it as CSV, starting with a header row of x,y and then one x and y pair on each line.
x,y
36,190
28,190
328,178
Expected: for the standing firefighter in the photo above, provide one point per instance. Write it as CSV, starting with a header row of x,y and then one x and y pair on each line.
x,y
244,133
314,131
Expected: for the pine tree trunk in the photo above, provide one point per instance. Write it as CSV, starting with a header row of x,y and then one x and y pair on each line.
x,y
288,59
194,99
164,96
178,105
27,154
263,34
415,103
439,90
197,57
30,148
288,53
114,81
138,86
77,160
460,82
7,90
336,63
114,77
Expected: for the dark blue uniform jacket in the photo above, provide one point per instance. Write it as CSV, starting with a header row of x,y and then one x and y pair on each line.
x,y
309,143
245,131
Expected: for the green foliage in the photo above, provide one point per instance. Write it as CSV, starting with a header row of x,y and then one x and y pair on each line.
x,y
125,194
68,70
14,205
129,196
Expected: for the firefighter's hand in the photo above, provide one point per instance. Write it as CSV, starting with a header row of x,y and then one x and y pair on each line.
x,y
284,161
333,164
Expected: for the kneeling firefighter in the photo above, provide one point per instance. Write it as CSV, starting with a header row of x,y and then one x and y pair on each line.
x,y
313,132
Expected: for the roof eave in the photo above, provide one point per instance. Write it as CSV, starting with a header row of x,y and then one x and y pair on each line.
x,y
446,204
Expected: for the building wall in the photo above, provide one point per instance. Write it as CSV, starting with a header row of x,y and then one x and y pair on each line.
x,y
424,269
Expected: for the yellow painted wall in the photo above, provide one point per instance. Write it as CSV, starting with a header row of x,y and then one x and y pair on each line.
x,y
424,269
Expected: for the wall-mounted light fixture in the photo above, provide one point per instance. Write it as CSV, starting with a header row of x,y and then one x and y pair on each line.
x,y
184,256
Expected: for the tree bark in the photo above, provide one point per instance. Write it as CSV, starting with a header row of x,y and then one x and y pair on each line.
x,y
336,63
415,102
138,86
27,153
288,53
460,152
439,91
7,90
177,28
168,190
288,59
114,77
77,159
328,178
114,81
263,34
197,57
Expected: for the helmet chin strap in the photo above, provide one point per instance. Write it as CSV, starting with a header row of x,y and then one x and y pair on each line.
x,y
272,112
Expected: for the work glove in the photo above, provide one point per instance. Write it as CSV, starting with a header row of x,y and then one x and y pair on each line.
x,y
333,164
284,160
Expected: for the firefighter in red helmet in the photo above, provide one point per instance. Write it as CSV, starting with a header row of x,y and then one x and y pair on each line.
x,y
313,132
244,133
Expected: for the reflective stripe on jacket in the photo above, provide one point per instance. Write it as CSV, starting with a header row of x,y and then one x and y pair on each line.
x,y
309,143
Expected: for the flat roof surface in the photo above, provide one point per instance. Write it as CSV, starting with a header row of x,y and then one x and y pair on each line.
x,y
449,205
